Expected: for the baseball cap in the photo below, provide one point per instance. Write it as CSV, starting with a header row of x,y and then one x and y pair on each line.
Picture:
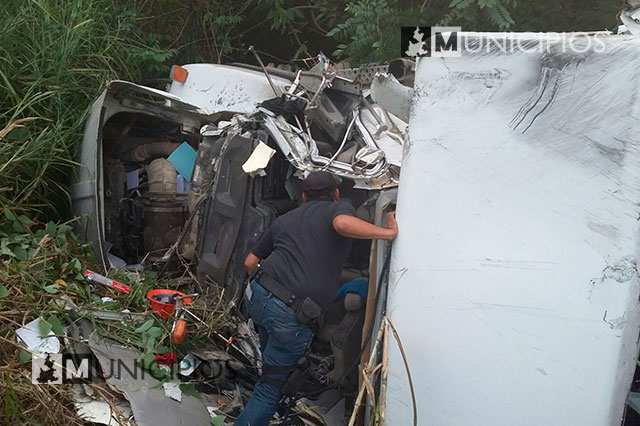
x,y
319,181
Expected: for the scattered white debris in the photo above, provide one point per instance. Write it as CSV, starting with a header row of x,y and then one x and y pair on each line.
x,y
30,335
99,411
259,159
172,390
189,364
213,411
149,402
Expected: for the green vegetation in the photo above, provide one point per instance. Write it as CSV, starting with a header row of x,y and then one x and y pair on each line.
x,y
42,276
56,58
369,30
40,262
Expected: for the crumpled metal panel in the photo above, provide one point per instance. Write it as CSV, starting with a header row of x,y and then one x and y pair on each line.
x,y
514,282
392,95
223,215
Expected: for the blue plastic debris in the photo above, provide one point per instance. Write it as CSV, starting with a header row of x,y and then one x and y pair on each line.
x,y
183,159
182,185
358,286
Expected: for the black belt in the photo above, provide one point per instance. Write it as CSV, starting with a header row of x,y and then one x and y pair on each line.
x,y
277,289
307,312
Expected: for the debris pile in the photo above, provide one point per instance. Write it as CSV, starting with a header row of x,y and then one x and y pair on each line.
x,y
111,324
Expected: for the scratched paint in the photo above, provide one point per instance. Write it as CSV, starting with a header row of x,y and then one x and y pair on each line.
x,y
513,281
216,88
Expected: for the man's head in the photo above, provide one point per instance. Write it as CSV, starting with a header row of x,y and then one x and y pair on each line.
x,y
320,186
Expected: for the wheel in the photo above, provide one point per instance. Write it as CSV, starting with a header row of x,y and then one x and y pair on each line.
x,y
179,332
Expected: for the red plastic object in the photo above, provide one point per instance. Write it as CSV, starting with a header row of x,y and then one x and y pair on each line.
x,y
164,310
169,358
101,279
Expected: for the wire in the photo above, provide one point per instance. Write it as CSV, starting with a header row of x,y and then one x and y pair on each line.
x,y
406,366
620,13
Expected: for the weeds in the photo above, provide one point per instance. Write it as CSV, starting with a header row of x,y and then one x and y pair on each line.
x,y
38,263
56,57
41,265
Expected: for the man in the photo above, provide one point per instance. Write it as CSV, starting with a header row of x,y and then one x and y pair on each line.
x,y
300,260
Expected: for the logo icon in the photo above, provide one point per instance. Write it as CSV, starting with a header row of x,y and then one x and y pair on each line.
x,y
435,42
55,369
46,369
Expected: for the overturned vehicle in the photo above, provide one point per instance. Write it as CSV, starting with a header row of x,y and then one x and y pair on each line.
x,y
183,182
522,290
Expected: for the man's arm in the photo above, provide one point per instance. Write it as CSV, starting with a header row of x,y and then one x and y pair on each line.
x,y
352,227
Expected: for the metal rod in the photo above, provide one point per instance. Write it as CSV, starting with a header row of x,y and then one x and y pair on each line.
x,y
264,70
321,87
385,375
344,140
373,111
406,366
369,366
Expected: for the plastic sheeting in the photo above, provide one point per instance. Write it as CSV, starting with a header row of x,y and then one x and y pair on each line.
x,y
514,283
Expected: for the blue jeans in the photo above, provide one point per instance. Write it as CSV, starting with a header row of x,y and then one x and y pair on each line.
x,y
282,342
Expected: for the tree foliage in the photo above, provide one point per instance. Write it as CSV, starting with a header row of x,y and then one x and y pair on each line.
x,y
369,31
497,13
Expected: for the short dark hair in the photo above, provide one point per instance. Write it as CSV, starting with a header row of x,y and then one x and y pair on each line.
x,y
319,186
316,181
320,194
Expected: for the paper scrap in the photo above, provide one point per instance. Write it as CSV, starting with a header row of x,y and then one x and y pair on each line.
x,y
172,390
30,336
102,413
259,159
189,364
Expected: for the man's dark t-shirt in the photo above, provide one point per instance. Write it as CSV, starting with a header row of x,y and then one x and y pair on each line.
x,y
303,252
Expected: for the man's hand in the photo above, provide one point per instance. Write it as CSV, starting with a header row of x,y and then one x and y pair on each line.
x,y
250,263
392,224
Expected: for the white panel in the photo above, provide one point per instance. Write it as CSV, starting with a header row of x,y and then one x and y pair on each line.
x,y
215,88
513,280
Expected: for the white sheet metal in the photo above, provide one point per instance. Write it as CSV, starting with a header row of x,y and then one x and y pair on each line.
x,y
513,281
216,88
392,95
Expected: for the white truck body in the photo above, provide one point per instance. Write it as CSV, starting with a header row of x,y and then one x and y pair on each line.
x,y
215,88
514,284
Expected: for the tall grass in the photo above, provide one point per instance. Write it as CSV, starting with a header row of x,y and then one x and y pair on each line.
x,y
56,56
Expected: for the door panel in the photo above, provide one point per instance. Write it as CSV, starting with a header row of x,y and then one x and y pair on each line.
x,y
224,211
